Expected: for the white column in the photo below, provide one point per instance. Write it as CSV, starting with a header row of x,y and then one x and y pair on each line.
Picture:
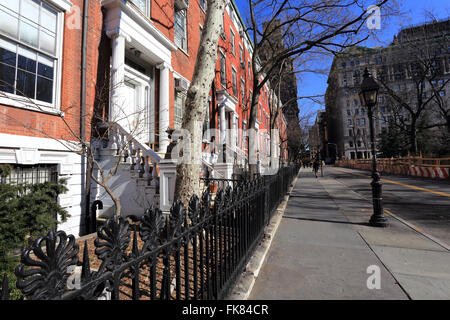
x,y
235,130
163,106
223,124
117,76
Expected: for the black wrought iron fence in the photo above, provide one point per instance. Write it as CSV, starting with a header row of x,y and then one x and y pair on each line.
x,y
194,253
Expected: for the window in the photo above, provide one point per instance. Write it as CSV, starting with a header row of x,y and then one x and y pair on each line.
x,y
32,174
350,144
243,92
241,55
233,51
206,133
356,111
142,5
349,122
442,93
180,29
260,113
223,73
179,109
357,122
350,132
233,77
363,121
244,140
203,4
349,113
29,54
249,70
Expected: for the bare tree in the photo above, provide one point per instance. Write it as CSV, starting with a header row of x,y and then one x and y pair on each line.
x,y
416,88
292,30
187,180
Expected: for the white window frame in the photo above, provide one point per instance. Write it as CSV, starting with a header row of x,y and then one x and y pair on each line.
x,y
182,96
234,81
9,99
147,7
205,5
224,57
232,41
185,37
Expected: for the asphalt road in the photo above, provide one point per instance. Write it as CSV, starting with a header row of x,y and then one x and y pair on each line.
x,y
425,203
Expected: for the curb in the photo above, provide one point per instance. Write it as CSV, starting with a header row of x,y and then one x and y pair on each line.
x,y
246,280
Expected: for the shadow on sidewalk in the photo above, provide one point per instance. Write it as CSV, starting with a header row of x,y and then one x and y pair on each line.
x,y
331,221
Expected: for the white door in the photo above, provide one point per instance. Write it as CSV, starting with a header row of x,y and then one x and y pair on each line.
x,y
128,111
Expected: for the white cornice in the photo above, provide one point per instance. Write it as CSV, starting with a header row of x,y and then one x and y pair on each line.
x,y
65,5
145,23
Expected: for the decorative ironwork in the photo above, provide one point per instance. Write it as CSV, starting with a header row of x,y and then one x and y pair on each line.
x,y
48,276
194,253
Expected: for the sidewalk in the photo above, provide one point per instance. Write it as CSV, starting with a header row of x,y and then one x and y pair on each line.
x,y
324,245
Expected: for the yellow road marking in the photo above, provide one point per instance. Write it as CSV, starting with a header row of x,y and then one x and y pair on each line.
x,y
391,214
398,183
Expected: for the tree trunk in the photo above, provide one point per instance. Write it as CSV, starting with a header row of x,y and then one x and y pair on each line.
x,y
253,138
187,180
413,137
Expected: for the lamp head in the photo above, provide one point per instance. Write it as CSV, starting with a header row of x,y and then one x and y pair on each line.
x,y
368,93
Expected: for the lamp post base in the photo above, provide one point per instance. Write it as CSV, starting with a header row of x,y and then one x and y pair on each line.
x,y
378,221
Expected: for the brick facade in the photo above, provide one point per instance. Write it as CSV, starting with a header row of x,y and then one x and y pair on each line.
x,y
37,131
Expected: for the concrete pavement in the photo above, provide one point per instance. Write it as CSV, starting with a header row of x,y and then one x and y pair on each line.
x,y
324,246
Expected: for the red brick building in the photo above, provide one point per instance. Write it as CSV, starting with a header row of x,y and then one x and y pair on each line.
x,y
138,58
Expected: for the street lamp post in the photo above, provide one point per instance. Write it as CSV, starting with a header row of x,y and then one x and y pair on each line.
x,y
368,96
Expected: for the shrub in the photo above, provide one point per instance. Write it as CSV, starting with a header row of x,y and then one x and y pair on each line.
x,y
27,211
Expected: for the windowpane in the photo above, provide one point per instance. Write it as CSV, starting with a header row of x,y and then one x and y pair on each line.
x,y
47,42
29,33
44,89
141,4
30,10
7,53
48,18
26,64
45,67
11,4
7,75
26,84
8,23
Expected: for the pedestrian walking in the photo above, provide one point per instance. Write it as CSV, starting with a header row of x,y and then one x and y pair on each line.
x,y
316,166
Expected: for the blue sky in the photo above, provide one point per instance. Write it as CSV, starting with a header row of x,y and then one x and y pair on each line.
x,y
414,13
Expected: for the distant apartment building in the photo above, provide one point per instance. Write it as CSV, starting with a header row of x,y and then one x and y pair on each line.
x,y
127,66
395,65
